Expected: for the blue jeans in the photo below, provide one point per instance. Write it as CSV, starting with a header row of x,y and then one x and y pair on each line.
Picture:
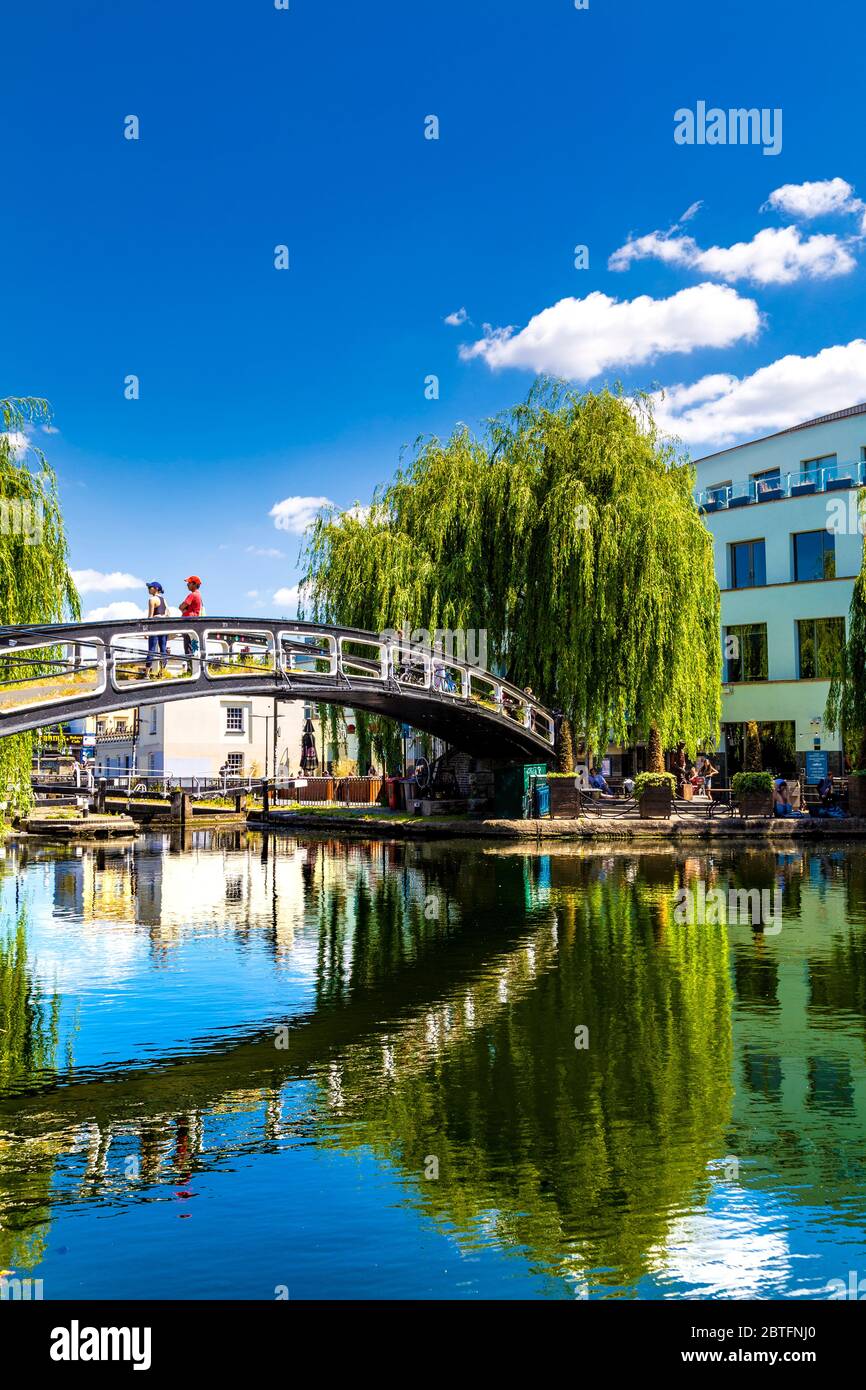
x,y
154,645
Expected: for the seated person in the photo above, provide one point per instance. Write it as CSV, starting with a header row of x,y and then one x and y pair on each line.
x,y
628,785
597,782
781,804
825,790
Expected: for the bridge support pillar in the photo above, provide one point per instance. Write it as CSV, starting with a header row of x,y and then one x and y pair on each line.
x,y
101,789
181,807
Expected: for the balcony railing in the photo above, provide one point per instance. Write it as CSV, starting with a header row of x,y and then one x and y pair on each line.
x,y
836,477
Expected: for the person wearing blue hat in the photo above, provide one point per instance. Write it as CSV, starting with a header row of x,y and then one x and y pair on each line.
x,y
156,608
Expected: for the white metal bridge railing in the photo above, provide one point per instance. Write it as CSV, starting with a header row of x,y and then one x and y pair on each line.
x,y
77,663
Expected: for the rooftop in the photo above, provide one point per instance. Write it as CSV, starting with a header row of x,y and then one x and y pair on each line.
x,y
791,429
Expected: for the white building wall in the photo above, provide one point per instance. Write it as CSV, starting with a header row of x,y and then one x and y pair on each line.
x,y
197,737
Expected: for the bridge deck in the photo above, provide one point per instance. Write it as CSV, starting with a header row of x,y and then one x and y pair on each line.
x,y
66,671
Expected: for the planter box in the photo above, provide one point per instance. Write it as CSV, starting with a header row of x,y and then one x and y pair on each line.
x,y
656,804
564,798
857,796
756,804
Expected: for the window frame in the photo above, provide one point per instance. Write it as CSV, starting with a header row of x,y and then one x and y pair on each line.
x,y
732,567
739,679
817,645
239,728
827,536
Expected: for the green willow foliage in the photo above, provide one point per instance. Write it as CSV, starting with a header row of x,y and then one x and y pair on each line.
x,y
35,583
569,533
846,699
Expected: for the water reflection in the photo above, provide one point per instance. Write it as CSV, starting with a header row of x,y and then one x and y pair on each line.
x,y
182,1014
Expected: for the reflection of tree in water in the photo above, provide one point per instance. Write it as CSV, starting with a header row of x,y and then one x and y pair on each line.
x,y
29,1028
29,1021
383,914
580,1156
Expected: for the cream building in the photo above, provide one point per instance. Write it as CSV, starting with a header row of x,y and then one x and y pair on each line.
x,y
783,514
199,737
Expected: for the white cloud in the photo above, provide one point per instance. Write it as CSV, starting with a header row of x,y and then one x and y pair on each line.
x,y
295,514
580,338
691,210
95,582
459,316
266,552
818,199
288,597
774,256
49,429
18,442
720,409
120,609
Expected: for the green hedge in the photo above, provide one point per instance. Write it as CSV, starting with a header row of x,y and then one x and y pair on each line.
x,y
744,782
649,781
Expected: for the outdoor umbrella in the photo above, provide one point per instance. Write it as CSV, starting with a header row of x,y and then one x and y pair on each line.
x,y
309,759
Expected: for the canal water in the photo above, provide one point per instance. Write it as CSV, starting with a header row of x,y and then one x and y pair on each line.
x,y
258,1068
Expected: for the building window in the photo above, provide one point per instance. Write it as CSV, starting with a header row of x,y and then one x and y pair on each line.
x,y
718,493
748,564
234,719
814,555
820,642
153,718
746,652
235,764
768,484
811,468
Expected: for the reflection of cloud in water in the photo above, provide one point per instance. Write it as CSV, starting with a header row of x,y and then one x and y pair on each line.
x,y
737,1251
107,954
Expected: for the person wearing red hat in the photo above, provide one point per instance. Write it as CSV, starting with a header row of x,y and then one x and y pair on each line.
x,y
191,608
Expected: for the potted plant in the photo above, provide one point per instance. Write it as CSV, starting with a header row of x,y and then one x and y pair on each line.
x,y
654,792
857,792
564,795
753,792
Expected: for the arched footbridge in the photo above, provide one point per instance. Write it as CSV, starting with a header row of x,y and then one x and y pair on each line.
x,y
57,672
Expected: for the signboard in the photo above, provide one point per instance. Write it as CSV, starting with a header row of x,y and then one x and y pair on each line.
x,y
300,782
816,767
61,741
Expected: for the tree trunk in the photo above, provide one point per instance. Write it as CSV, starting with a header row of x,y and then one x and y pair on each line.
x,y
565,751
753,759
654,758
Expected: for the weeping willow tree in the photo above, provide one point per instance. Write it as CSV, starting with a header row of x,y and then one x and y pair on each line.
x,y
35,582
569,534
846,699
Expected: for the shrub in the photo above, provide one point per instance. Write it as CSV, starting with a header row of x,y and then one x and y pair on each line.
x,y
744,782
648,781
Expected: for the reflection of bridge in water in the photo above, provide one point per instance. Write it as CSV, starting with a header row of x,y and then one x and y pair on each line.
x,y
450,1037
70,670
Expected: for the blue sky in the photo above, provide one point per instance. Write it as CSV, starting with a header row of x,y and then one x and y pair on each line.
x,y
306,128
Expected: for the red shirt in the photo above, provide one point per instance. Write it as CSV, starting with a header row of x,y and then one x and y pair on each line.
x,y
191,606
